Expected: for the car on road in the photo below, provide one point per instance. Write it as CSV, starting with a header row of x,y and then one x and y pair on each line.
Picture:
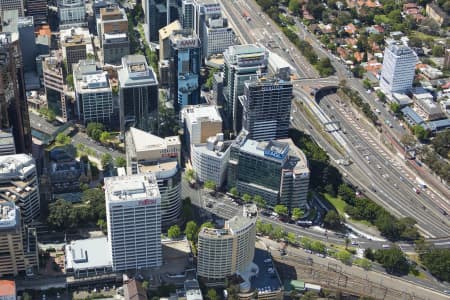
x,y
354,243
321,255
417,191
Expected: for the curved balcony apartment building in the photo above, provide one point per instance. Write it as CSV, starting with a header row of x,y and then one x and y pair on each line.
x,y
227,251
147,153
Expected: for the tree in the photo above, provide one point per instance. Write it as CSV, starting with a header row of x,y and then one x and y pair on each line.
x,y
61,215
233,191
441,143
363,263
278,233
420,132
297,213
63,139
367,84
212,294
259,201
191,231
408,140
395,107
246,198
174,232
145,285
347,242
186,209
120,162
104,137
101,224
69,81
438,50
332,220
207,224
26,296
393,260
292,239
294,6
107,161
317,246
438,262
344,256
369,254
381,96
94,128
95,198
190,174
210,185
281,209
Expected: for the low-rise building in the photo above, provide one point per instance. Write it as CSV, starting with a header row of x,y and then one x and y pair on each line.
x,y
64,171
19,184
52,70
426,107
112,29
93,93
147,153
84,258
7,290
71,13
210,159
275,170
437,14
76,44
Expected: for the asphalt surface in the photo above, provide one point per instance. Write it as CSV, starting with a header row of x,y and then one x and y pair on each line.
x,y
262,30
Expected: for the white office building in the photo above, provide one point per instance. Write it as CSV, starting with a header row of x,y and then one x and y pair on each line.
x,y
93,93
19,185
227,251
217,37
133,214
397,73
71,13
210,160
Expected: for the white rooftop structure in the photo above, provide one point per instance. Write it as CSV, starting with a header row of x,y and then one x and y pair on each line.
x,y
16,166
87,254
9,215
131,188
198,113
144,141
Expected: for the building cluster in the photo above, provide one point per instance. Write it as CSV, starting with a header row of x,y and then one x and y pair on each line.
x,y
420,106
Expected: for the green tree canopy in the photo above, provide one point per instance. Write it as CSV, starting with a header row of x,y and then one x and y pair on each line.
x,y
104,137
107,161
344,256
246,198
281,209
210,185
393,260
234,191
63,139
207,224
191,231
297,213
420,132
212,294
259,201
332,220
174,232
120,162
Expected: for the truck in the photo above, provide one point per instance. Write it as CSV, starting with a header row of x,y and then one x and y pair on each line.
x,y
246,15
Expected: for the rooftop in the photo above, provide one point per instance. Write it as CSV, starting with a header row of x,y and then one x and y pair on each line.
x,y
87,254
201,113
136,72
9,214
6,138
144,141
246,50
166,31
238,223
131,188
7,288
15,166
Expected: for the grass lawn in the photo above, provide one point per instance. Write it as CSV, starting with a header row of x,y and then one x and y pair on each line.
x,y
337,202
422,36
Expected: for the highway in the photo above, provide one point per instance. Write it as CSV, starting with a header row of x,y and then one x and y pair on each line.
x,y
400,199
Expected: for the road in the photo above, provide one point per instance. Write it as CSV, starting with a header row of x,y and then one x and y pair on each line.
x,y
430,220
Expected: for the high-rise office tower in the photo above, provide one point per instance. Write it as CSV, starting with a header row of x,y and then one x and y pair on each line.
x,y
133,215
397,73
38,10
241,62
204,10
187,14
93,93
266,108
52,71
18,180
18,242
71,13
217,36
165,52
6,5
185,67
173,10
7,146
155,14
74,45
276,170
223,252
27,43
148,153
138,94
112,29
13,103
